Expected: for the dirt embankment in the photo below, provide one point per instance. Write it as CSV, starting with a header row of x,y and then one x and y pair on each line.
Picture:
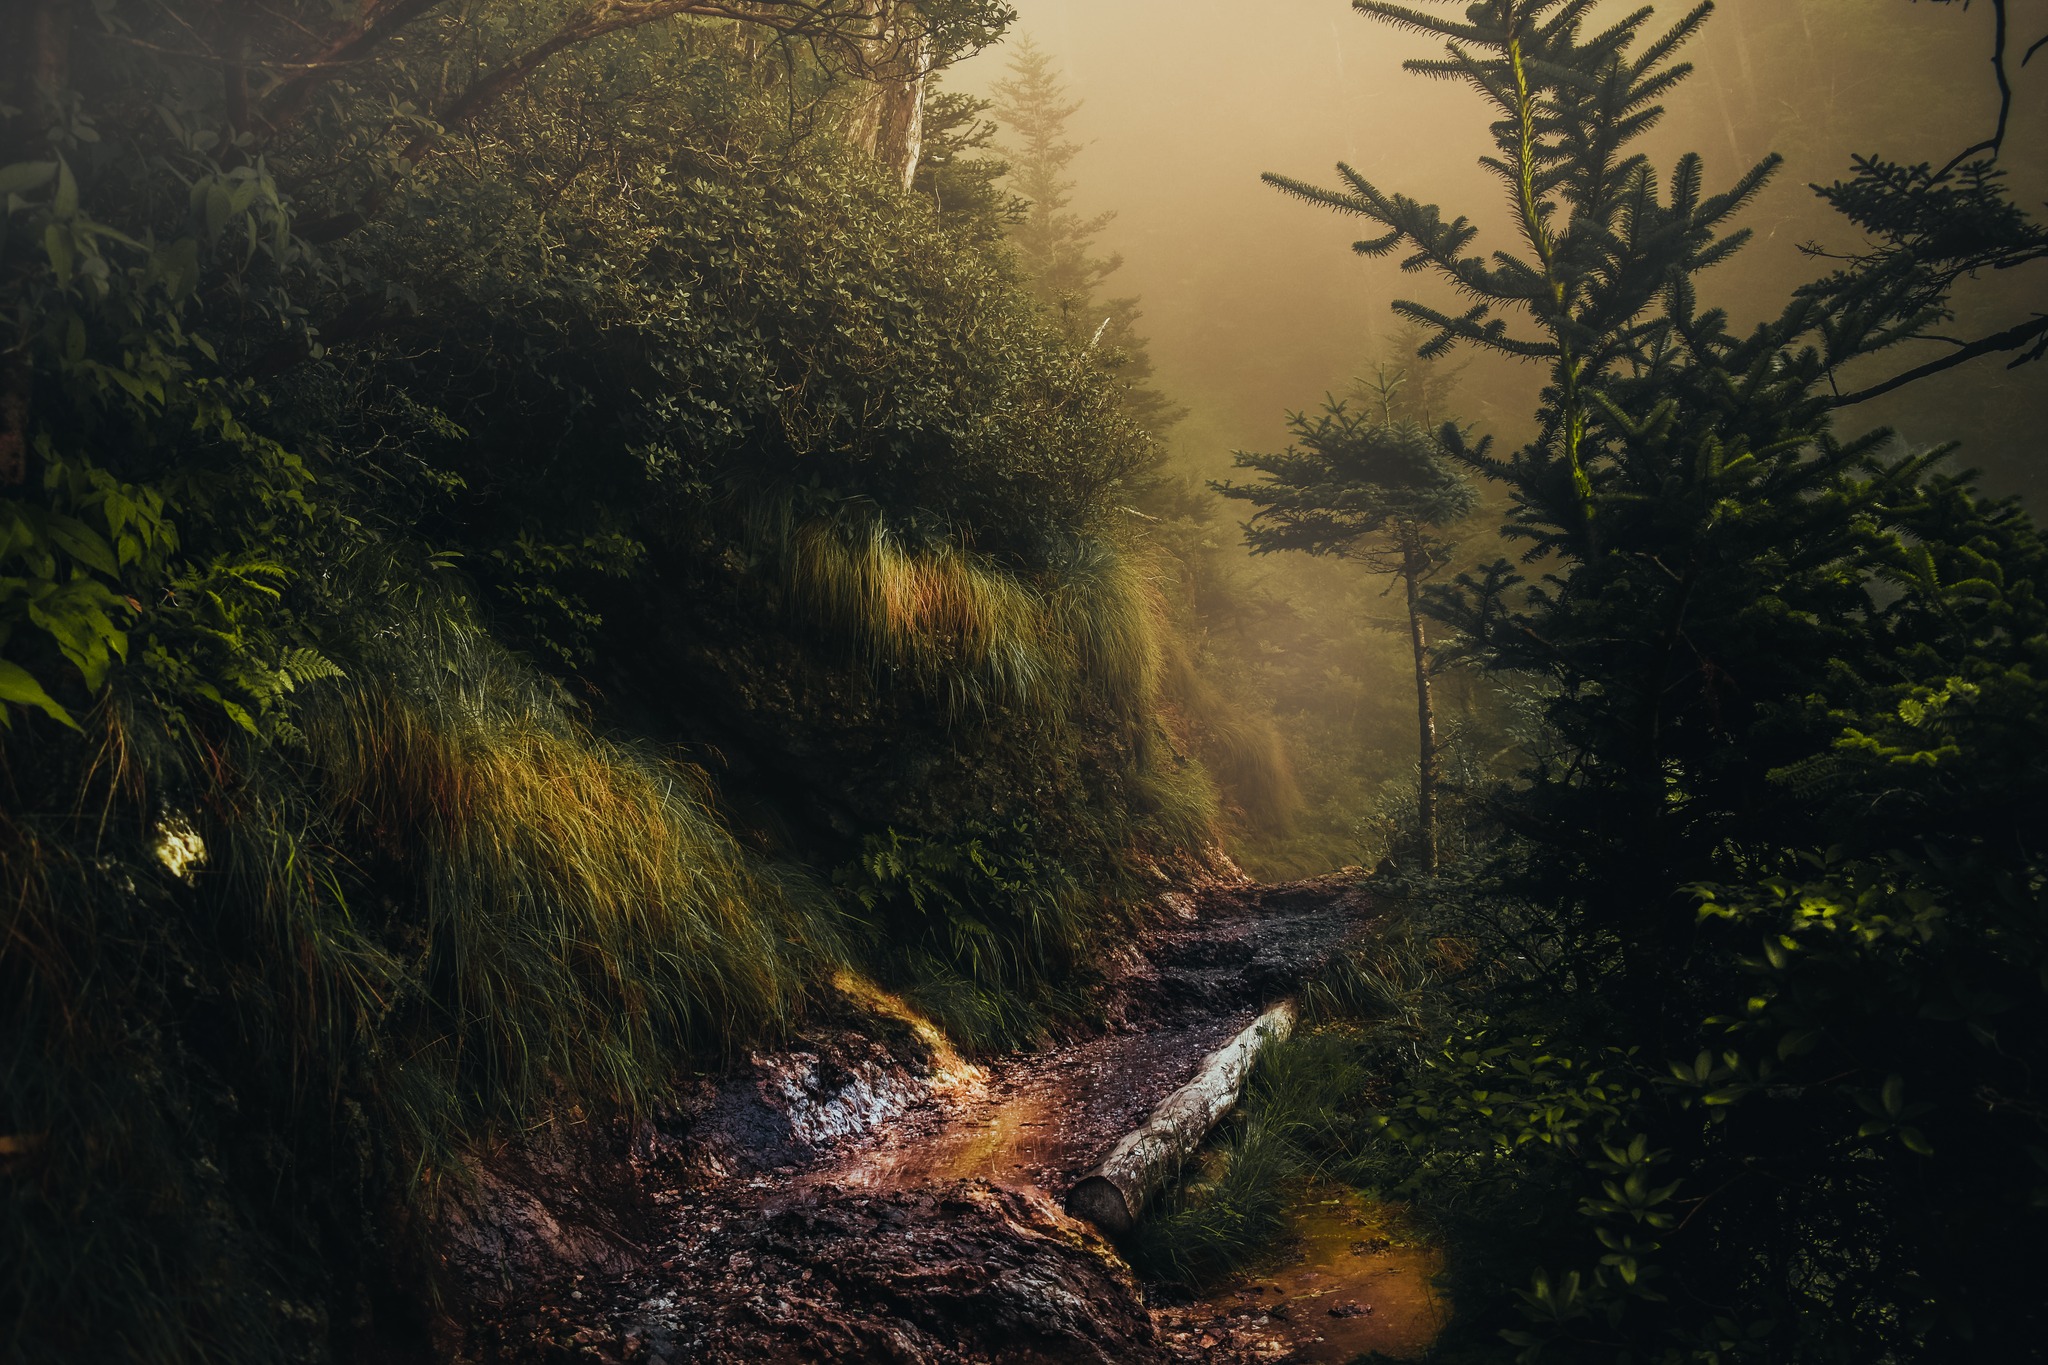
x,y
869,1195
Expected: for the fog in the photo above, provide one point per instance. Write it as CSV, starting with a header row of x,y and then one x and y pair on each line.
x,y
1255,303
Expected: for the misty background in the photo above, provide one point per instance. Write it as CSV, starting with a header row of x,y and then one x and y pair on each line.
x,y
1256,305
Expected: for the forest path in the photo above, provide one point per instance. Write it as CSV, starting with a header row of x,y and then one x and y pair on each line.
x,y
818,1208
1038,1121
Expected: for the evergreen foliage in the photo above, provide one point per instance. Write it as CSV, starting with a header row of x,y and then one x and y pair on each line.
x,y
1055,244
1378,493
1746,1062
1055,248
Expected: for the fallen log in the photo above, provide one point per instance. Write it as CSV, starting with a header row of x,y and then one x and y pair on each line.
x,y
1112,1195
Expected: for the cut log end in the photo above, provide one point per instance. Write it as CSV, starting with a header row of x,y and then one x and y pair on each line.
x,y
1101,1203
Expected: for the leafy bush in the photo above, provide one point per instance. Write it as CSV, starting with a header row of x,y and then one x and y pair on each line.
x,y
410,735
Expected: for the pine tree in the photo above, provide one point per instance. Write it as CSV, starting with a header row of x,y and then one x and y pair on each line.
x,y
1406,387
1056,244
1788,673
957,173
1053,242
1375,491
1662,486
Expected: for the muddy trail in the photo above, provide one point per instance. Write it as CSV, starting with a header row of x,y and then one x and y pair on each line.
x,y
1037,1121
870,1195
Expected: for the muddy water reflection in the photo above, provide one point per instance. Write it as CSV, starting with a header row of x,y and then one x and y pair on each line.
x,y
1033,1121
1355,1279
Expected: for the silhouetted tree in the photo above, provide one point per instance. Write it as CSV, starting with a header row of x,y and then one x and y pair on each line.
x,y
1782,828
1377,492
1056,244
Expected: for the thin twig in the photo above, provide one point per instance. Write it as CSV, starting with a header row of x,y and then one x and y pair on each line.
x,y
1997,139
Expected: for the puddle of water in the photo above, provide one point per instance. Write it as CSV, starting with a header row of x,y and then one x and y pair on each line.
x,y
1001,1141
1355,1278
1033,1121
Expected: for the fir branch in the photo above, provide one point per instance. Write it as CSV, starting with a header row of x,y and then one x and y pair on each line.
x,y
2011,339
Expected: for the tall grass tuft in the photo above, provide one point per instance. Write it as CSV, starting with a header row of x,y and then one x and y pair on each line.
x,y
587,913
1299,1107
452,910
980,634
1106,608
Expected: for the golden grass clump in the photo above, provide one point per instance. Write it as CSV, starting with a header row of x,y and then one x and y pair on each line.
x,y
1109,607
587,914
974,631
450,910
1091,626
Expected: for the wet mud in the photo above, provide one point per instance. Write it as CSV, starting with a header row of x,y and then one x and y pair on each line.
x,y
1355,1278
868,1194
1035,1122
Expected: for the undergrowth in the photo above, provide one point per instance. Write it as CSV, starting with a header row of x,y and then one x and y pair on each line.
x,y
287,990
1297,1120
1307,1113
403,742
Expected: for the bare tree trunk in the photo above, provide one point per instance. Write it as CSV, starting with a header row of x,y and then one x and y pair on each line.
x,y
864,128
1413,563
52,52
899,138
35,63
15,385
889,124
232,42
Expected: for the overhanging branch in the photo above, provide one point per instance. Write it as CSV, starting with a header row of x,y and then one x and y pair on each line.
x,y
869,36
2033,333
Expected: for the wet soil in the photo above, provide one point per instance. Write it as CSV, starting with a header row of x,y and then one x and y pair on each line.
x,y
1040,1120
1036,1122
1354,1279
869,1195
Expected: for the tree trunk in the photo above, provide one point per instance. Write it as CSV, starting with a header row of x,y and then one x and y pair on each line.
x,y
15,386
1413,563
899,138
1112,1195
890,122
51,50
35,66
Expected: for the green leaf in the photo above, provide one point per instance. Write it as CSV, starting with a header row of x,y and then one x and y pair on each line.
x,y
1798,1043
25,175
57,246
82,543
66,201
19,686
177,266
218,205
